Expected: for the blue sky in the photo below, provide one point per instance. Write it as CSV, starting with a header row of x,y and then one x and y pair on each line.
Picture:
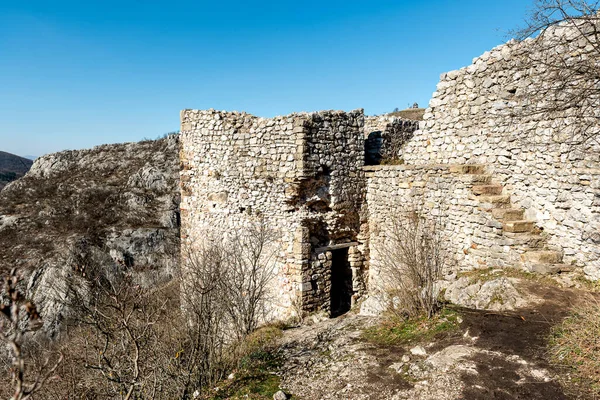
x,y
74,74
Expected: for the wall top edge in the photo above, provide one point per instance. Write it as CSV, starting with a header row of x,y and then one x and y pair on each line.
x,y
191,113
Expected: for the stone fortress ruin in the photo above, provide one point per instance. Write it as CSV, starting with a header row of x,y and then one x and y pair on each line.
x,y
506,195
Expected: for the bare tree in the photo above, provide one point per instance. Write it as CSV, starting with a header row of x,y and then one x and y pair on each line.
x,y
412,260
204,302
120,338
250,261
224,293
127,342
131,342
561,46
20,317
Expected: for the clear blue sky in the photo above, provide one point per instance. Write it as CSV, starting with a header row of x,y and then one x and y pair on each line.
x,y
74,74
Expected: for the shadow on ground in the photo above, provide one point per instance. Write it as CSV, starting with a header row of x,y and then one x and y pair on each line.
x,y
523,333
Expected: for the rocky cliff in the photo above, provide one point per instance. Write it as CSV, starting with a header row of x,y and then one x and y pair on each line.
x,y
113,206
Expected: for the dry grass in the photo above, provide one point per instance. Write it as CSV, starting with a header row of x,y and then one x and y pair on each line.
x,y
254,377
90,200
575,346
392,161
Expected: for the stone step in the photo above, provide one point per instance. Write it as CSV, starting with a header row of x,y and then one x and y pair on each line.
x,y
549,269
542,257
499,201
488,190
508,214
468,169
482,179
519,226
528,240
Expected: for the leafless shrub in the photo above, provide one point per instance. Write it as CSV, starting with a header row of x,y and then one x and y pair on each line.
x,y
224,296
413,258
121,338
250,264
20,317
204,302
130,342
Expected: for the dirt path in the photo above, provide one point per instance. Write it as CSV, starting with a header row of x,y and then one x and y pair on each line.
x,y
493,355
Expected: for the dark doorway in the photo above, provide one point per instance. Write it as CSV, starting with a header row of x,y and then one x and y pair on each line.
x,y
341,283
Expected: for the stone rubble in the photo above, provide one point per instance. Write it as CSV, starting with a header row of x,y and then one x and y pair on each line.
x,y
329,360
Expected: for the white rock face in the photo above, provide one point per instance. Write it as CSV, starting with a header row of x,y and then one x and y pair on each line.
x,y
450,356
418,351
497,294
117,204
372,306
280,396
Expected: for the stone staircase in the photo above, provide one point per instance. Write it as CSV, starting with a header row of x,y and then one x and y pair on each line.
x,y
520,234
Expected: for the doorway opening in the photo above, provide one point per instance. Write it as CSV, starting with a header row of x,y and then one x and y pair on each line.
x,y
341,283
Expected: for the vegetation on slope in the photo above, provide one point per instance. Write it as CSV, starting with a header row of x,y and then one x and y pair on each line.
x,y
88,194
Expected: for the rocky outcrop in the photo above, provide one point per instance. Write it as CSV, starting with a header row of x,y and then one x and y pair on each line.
x,y
114,206
496,294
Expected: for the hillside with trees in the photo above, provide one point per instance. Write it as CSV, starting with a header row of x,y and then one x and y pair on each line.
x,y
12,167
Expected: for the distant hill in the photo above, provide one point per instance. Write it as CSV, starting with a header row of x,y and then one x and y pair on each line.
x,y
410,113
12,167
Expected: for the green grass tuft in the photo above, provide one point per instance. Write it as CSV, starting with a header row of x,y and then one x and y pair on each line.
x,y
255,377
395,331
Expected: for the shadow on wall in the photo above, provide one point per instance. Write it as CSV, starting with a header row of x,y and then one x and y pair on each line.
x,y
373,145
386,138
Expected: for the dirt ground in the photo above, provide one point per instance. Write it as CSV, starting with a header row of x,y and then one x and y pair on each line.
x,y
493,355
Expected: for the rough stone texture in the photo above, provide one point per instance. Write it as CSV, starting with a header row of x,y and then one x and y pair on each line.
x,y
475,117
385,137
113,207
497,294
503,195
474,238
330,360
302,171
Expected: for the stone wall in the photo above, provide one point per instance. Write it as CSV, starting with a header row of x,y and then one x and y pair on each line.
x,y
479,115
302,171
499,179
473,237
385,137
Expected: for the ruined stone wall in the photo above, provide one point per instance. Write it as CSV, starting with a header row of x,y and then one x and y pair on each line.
x,y
473,237
302,172
385,137
479,115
